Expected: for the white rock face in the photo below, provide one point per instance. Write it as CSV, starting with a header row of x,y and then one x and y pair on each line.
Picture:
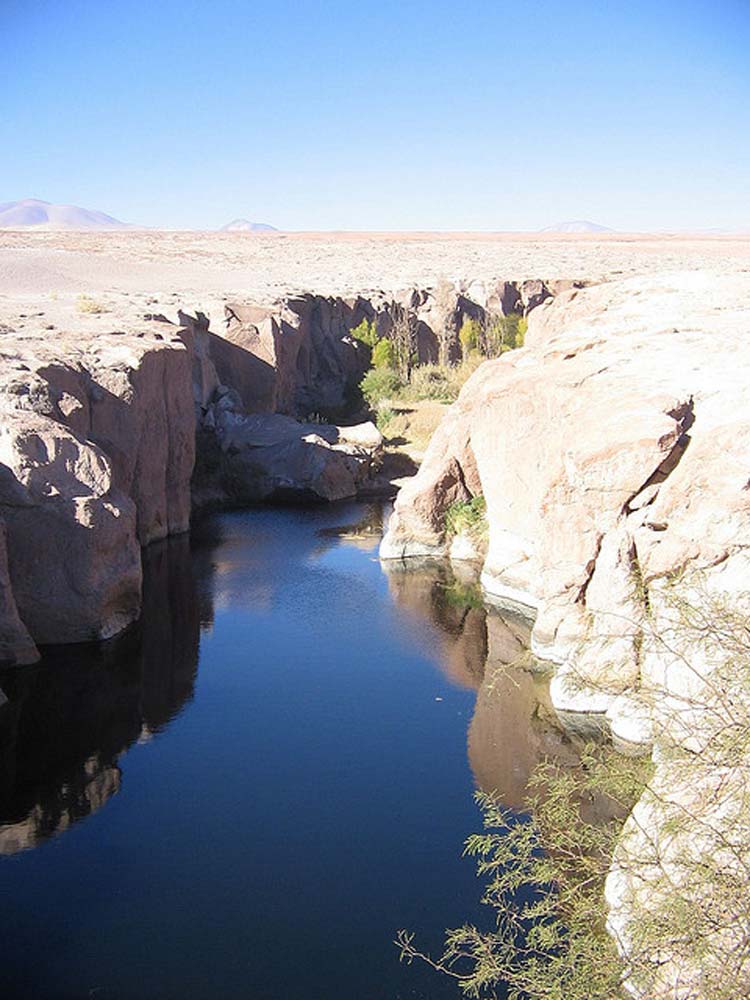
x,y
612,453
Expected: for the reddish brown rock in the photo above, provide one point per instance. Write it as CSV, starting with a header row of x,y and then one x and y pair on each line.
x,y
96,451
16,645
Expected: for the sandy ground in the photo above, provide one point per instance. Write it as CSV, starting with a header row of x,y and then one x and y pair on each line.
x,y
129,274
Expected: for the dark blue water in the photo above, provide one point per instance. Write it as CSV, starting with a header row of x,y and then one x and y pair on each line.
x,y
250,793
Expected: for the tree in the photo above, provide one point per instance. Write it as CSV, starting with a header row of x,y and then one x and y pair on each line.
x,y
366,332
501,333
404,339
383,354
677,871
469,336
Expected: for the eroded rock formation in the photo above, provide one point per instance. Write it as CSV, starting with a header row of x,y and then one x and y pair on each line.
x,y
96,451
609,452
98,421
613,456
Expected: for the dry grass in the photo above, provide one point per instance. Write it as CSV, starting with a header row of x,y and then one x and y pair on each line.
x,y
412,425
85,304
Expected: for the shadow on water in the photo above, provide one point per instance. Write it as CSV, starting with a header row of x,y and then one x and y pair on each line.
x,y
70,718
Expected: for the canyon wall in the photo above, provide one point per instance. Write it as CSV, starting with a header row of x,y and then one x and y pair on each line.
x,y
612,452
96,452
101,409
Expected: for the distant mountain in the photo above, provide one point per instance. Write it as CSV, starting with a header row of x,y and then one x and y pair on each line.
x,y
42,214
245,226
577,226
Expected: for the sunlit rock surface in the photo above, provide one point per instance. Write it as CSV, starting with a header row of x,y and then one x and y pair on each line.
x,y
609,452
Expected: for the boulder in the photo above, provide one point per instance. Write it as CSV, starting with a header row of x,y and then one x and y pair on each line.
x,y
73,557
263,456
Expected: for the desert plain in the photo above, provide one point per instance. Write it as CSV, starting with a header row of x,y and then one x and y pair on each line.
x,y
137,271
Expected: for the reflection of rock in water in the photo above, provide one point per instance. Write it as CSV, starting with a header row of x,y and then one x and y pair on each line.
x,y
69,718
449,597
365,533
513,727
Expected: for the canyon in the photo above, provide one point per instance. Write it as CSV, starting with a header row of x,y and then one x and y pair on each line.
x,y
611,452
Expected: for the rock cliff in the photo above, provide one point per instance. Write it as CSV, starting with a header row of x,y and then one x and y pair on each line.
x,y
98,418
612,452
96,451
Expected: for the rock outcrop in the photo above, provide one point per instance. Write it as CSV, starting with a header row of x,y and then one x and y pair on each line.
x,y
298,356
97,446
612,453
269,456
609,452
98,424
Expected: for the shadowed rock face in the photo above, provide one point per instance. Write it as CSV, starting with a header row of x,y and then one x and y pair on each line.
x,y
96,450
70,718
16,645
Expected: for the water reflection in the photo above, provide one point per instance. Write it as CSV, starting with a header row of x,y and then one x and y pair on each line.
x,y
69,718
513,726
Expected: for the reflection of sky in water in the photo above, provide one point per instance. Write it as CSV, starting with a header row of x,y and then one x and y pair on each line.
x,y
262,827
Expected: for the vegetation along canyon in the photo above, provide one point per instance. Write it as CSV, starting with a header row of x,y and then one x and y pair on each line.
x,y
374,549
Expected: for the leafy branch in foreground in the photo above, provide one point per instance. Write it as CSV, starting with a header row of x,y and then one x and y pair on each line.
x,y
676,921
545,873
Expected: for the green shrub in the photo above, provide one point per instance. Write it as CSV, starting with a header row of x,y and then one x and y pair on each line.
x,y
383,354
366,332
440,382
545,876
432,382
470,335
467,517
504,333
379,384
383,416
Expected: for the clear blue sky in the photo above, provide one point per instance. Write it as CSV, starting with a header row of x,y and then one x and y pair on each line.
x,y
374,114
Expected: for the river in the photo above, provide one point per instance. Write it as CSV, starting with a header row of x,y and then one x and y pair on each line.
x,y
248,794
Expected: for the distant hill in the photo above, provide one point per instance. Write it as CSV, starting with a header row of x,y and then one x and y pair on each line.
x,y
31,212
577,226
245,226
